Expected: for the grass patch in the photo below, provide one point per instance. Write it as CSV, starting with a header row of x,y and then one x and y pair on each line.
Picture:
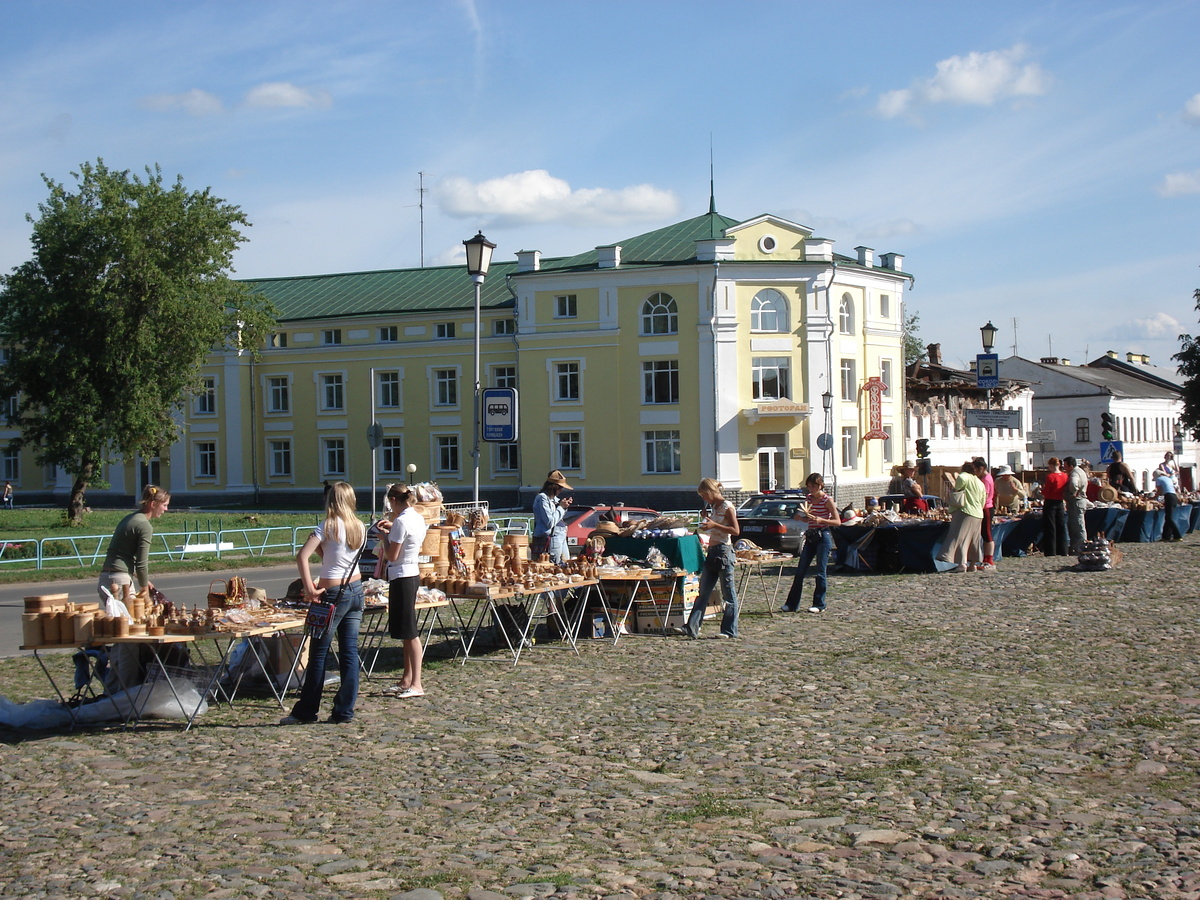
x,y
707,806
1149,720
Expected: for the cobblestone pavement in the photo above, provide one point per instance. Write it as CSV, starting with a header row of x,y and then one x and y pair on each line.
x,y
1029,733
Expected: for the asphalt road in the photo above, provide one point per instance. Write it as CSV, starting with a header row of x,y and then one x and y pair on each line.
x,y
190,588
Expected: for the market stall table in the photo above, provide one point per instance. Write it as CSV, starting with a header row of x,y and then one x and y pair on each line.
x,y
641,584
1025,532
1143,526
1111,521
748,568
681,552
541,598
1183,517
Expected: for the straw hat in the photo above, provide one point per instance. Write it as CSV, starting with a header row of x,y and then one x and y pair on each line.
x,y
557,477
606,528
909,464
1109,494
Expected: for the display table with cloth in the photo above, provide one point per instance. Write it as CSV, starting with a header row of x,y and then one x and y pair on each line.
x,y
681,552
1195,519
1143,526
908,547
1024,533
1183,518
1107,520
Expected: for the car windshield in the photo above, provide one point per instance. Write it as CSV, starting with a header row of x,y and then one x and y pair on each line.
x,y
775,509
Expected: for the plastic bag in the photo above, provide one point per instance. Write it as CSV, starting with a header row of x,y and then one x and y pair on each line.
x,y
113,606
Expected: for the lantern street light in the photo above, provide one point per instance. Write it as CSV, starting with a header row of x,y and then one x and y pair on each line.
x,y
988,333
479,258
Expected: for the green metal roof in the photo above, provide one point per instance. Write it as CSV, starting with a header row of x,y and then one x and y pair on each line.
x,y
390,290
672,244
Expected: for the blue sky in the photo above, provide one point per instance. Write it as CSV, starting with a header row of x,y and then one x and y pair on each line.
x,y
1033,161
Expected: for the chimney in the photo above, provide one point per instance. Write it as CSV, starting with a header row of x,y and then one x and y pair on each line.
x,y
1137,358
894,261
1049,360
866,256
934,352
529,260
608,257
1112,354
818,249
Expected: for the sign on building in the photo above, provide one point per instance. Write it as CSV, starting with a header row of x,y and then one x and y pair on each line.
x,y
992,418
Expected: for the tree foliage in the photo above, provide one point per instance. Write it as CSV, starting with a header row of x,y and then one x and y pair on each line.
x,y
914,350
108,323
1188,358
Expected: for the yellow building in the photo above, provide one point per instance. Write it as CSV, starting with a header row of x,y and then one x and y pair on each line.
x,y
699,349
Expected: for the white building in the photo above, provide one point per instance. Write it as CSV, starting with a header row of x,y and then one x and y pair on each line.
x,y
1146,407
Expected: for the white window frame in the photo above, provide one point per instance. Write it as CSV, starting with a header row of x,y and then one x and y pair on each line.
x,y
769,305
556,380
848,372
10,462
278,340
885,306
659,305
504,327
506,458
444,331
653,371
508,379
274,391
205,402
437,450
667,440
204,460
781,367
387,382
331,337
328,388
557,444
327,447
389,334
886,374
279,449
436,381
392,446
846,314
849,447
886,447
566,306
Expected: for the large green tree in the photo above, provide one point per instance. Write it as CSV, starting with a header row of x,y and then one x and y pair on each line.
x,y
106,326
914,350
1188,358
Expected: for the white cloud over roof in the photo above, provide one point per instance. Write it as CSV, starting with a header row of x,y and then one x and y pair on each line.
x,y
286,94
1176,184
537,196
979,79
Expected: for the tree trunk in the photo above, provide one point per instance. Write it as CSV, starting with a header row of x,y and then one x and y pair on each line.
x,y
75,504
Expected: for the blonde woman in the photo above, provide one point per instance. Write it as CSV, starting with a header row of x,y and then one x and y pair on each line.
x,y
129,549
719,520
337,541
405,529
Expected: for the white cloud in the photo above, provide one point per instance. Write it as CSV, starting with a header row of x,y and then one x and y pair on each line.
x,y
1191,110
1158,326
1176,184
979,79
194,102
537,196
286,94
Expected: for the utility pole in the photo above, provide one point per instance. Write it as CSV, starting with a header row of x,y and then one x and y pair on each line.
x,y
421,205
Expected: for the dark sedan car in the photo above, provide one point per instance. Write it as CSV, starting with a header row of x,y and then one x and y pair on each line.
x,y
770,523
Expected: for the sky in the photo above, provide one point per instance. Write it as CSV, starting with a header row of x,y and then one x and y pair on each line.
x,y
1036,163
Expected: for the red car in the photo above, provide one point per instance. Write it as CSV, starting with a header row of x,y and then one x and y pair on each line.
x,y
582,520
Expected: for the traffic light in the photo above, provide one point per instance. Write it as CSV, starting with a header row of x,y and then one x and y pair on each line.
x,y
1108,426
924,466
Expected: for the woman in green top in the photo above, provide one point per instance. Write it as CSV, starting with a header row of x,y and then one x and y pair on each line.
x,y
966,505
129,550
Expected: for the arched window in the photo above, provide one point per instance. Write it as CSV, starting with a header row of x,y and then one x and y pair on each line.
x,y
769,312
846,315
660,315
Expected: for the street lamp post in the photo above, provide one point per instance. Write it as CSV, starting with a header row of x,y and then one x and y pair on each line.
x,y
479,258
827,405
988,335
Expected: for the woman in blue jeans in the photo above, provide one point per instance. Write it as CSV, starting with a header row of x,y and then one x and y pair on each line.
x,y
720,522
337,541
821,514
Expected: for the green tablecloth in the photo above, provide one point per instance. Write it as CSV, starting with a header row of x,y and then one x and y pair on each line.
x,y
681,552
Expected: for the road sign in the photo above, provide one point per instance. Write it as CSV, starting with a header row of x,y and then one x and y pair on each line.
x,y
374,435
499,414
1107,448
987,370
1041,437
992,418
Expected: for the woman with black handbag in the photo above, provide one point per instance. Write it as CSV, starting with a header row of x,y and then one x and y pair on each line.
x,y
335,605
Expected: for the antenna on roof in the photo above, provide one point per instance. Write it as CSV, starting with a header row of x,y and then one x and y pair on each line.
x,y
421,204
712,191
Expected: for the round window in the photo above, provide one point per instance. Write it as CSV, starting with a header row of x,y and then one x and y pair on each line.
x,y
767,244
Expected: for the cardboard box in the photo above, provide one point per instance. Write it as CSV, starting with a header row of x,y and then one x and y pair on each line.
x,y
600,624
652,618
